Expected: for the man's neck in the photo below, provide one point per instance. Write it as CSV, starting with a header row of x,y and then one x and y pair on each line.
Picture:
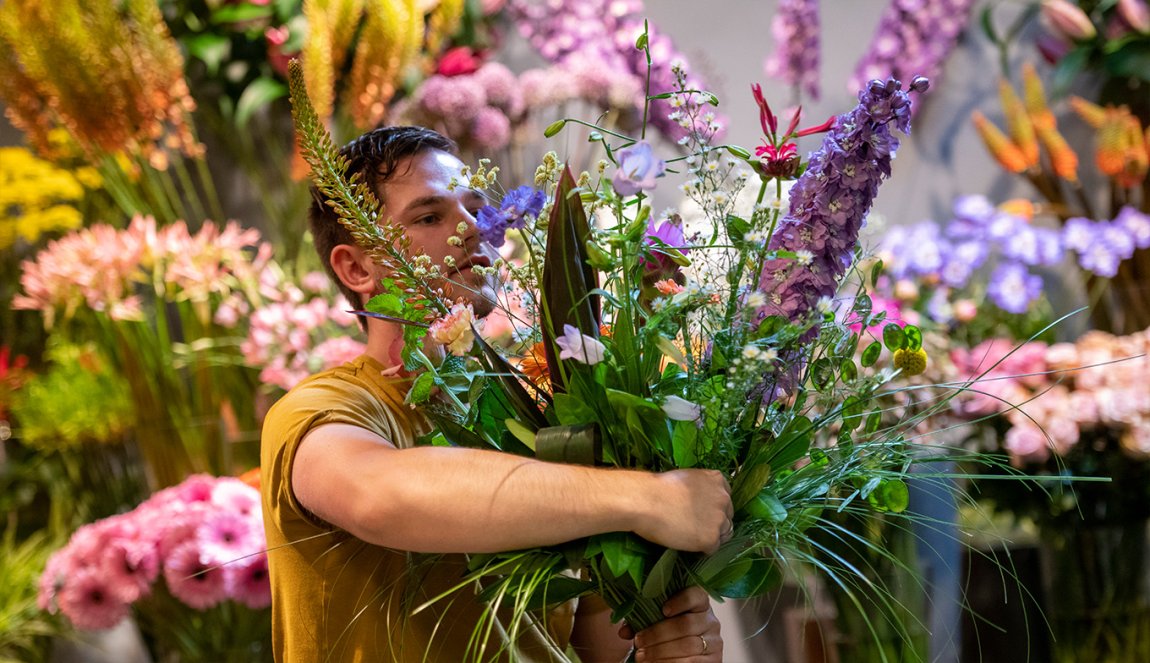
x,y
385,343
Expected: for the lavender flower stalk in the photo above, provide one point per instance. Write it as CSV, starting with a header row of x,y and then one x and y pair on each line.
x,y
795,59
829,202
913,37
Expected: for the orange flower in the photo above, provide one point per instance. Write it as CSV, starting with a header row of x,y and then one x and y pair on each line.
x,y
1035,98
251,477
668,287
1063,159
1018,124
534,365
1001,148
1020,207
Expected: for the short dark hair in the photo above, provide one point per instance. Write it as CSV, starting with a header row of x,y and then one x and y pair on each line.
x,y
376,154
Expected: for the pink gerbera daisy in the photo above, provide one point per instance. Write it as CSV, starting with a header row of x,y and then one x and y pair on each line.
x,y
90,602
224,537
249,581
199,585
235,495
130,567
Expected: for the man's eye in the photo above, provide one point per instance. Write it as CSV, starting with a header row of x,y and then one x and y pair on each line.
x,y
430,219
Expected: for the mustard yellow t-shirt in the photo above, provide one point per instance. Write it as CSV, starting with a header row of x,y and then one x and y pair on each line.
x,y
337,598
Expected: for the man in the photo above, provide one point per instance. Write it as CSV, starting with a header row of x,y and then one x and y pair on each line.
x,y
345,489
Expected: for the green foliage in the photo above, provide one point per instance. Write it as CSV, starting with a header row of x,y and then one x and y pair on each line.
x,y
79,398
25,630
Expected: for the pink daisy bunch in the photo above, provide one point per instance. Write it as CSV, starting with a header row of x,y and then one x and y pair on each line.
x,y
204,537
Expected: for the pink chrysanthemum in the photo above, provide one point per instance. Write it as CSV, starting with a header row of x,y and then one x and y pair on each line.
x,y
197,488
90,602
249,581
198,585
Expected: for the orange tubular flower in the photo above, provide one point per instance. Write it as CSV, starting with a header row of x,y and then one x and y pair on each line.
x,y
1018,124
1138,155
1094,114
1001,148
1063,159
1020,207
1035,99
534,366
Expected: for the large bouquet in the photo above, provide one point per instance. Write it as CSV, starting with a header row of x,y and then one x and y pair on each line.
x,y
644,344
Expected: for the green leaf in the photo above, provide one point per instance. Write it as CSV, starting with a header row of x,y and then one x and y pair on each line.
x,y
421,388
737,229
738,151
456,434
623,400
1068,68
876,272
847,370
572,411
893,337
211,49
873,421
767,506
525,406
660,576
913,337
641,42
521,433
748,482
852,412
556,590
554,128
567,276
684,444
241,12
890,495
871,354
755,577
386,303
259,93
822,372
863,306
624,554
1130,60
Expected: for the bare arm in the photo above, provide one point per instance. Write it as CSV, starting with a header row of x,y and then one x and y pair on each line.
x,y
595,638
440,499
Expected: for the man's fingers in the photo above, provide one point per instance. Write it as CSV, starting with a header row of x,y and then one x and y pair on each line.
x,y
691,599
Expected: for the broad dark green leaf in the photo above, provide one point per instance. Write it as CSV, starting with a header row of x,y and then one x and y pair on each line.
x,y
660,576
572,411
574,445
756,577
871,354
527,409
567,281
259,93
767,506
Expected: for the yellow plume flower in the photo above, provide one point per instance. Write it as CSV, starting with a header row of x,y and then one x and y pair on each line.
x,y
442,24
1034,97
318,65
1001,148
389,41
1018,124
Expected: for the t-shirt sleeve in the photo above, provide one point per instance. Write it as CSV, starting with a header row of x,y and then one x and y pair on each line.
x,y
303,409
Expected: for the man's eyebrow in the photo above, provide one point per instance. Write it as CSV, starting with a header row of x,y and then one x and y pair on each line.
x,y
436,199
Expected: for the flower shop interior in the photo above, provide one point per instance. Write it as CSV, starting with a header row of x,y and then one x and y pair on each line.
x,y
968,346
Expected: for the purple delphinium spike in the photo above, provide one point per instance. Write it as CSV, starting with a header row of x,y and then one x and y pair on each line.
x,y
826,212
795,59
913,37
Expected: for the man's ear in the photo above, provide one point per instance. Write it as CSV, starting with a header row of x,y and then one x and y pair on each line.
x,y
355,269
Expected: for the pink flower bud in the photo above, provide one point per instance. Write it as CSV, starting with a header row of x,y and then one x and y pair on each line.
x,y
1068,19
1136,14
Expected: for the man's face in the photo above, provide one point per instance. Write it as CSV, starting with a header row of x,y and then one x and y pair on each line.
x,y
418,196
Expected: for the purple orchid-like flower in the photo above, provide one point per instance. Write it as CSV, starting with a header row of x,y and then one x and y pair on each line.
x,y
579,346
517,205
638,169
667,234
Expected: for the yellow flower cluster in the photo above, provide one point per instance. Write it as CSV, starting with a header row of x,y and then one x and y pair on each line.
x,y
36,197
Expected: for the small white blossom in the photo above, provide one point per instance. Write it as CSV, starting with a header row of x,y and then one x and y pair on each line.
x,y
804,257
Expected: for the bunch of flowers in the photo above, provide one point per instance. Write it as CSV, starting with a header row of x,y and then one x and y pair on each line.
x,y
635,364
197,546
37,197
295,331
1108,232
1083,37
1056,397
148,297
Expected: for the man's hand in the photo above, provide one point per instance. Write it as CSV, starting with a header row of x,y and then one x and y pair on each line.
x,y
689,634
691,511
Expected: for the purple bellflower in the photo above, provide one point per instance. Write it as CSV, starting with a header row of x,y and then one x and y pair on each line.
x,y
517,205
